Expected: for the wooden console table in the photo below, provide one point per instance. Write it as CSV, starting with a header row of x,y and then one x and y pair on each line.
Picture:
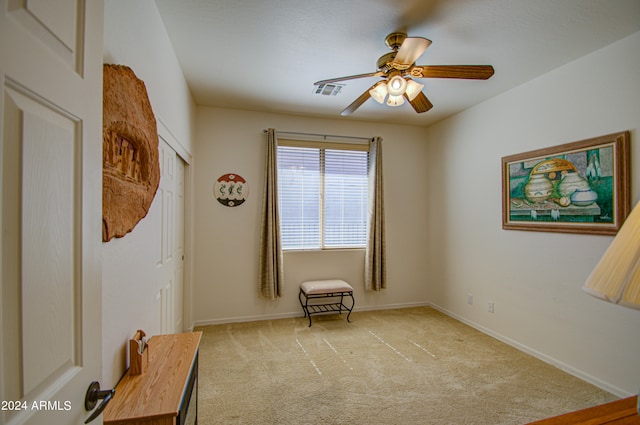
x,y
619,412
167,392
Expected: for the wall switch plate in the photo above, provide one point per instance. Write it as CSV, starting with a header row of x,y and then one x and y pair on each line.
x,y
470,298
490,306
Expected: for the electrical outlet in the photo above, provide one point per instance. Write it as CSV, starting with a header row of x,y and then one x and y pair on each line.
x,y
470,298
490,306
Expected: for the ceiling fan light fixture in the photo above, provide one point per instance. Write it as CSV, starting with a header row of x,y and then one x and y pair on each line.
x,y
413,88
395,100
397,70
379,92
396,85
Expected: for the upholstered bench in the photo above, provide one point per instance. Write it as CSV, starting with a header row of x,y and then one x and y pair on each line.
x,y
333,292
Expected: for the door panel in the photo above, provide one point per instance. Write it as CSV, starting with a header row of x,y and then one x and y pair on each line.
x,y
49,283
166,191
50,208
171,191
178,292
54,23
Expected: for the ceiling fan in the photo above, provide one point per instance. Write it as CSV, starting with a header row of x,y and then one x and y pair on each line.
x,y
398,69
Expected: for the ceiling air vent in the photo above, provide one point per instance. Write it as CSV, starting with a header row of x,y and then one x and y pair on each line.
x,y
328,89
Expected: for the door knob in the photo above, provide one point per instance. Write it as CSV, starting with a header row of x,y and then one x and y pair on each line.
x,y
94,393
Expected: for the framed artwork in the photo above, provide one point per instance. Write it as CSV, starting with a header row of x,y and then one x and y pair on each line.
x,y
579,187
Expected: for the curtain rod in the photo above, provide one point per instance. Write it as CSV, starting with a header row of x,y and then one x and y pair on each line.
x,y
320,135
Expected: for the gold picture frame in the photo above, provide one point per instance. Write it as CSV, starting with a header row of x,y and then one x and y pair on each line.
x,y
578,187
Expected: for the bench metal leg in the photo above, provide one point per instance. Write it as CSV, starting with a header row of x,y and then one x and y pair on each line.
x,y
353,303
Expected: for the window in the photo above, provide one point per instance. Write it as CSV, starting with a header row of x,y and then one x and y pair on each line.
x,y
322,191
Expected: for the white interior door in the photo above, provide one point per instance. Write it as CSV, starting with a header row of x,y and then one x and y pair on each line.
x,y
178,297
50,208
170,261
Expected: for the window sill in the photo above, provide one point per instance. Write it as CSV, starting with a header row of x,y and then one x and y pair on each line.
x,y
286,251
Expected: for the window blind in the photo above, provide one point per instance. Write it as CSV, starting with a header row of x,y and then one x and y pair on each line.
x,y
345,198
323,197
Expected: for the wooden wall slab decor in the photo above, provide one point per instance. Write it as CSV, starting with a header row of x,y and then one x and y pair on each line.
x,y
130,166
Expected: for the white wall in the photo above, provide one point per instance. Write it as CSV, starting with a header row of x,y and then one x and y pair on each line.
x,y
135,36
534,278
227,239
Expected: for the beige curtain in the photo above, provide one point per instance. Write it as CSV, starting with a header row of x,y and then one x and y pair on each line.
x,y
375,267
271,276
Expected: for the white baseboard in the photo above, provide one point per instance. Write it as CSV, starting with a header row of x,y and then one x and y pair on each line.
x,y
239,319
537,354
392,306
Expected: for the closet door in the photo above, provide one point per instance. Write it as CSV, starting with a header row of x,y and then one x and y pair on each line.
x,y
50,208
171,252
178,297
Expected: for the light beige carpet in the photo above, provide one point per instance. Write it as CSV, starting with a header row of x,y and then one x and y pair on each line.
x,y
405,366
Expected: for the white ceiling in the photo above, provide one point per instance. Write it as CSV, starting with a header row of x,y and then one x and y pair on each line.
x,y
265,55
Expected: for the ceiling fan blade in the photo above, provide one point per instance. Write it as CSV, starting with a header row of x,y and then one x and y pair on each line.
x,y
356,103
420,103
410,50
350,77
471,72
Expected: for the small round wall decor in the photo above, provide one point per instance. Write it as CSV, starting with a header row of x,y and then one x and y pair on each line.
x,y
231,190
